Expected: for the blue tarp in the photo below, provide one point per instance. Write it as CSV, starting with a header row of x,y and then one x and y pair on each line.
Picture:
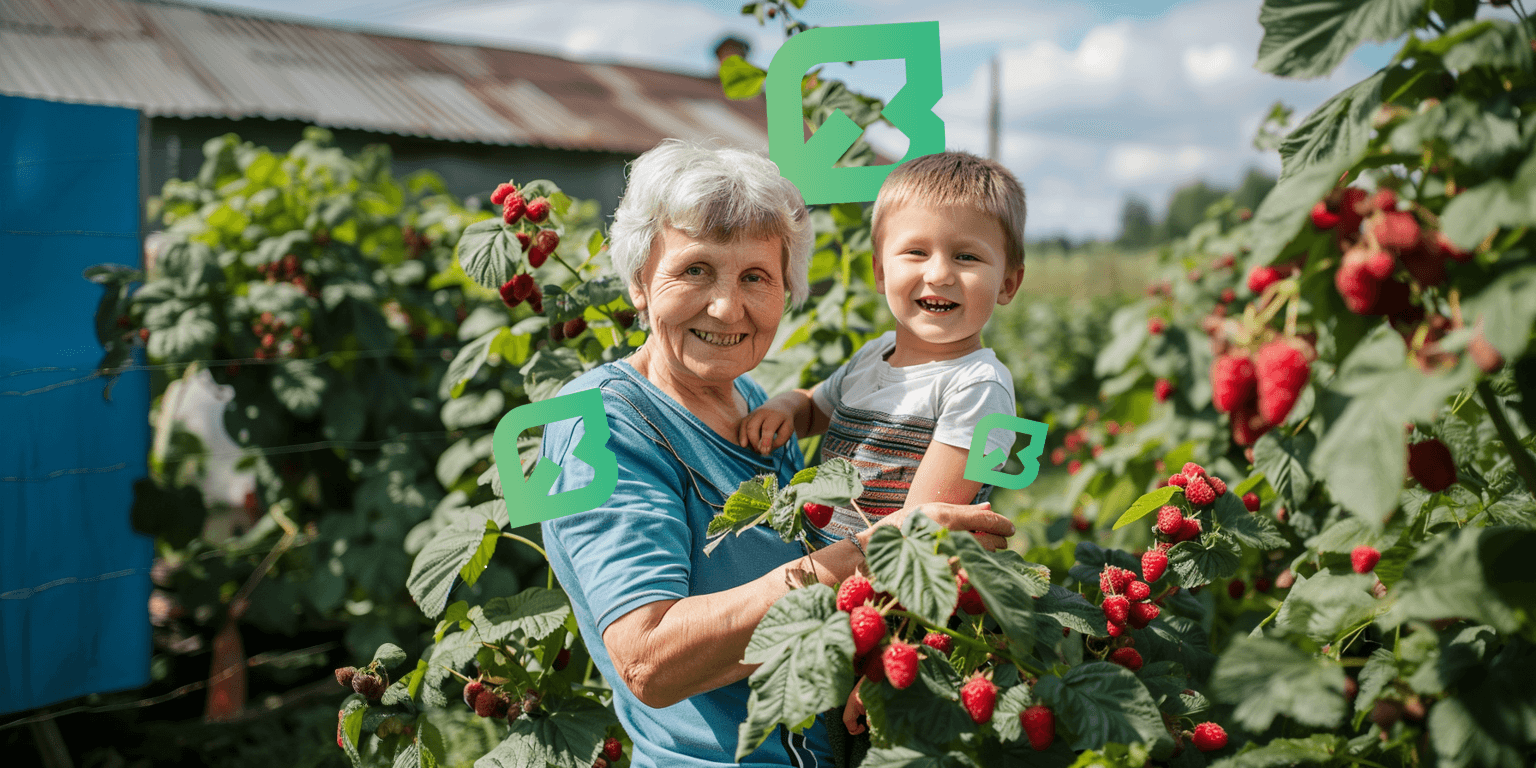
x,y
74,577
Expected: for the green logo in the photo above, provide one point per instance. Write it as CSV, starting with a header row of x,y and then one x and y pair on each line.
x,y
979,464
528,501
809,163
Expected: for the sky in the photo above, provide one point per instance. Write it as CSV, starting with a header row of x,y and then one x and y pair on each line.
x,y
1101,99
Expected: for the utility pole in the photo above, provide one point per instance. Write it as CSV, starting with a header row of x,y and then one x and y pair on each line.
x,y
995,111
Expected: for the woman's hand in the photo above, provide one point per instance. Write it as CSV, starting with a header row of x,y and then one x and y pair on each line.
x,y
766,429
854,710
990,528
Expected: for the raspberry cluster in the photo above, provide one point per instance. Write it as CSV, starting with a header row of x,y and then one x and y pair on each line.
x,y
289,270
1092,436
276,339
1127,604
1259,390
416,243
370,683
514,207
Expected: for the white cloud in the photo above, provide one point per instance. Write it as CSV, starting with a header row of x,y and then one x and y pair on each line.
x,y
1131,164
1210,64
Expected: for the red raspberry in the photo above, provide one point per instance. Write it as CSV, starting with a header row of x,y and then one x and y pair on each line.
x,y
939,642
1114,579
1236,589
625,318
1058,456
1251,501
1379,264
1449,250
1283,372
538,210
1155,325
1228,296
1431,465
502,191
1209,737
562,659
557,332
613,749
1114,630
1162,390
1192,470
970,599
1178,479
471,691
900,664
1364,558
1247,425
1352,207
816,514
1384,200
854,592
1117,609
1142,614
1080,522
523,240
1039,724
868,627
1232,381
1137,591
1262,277
1153,563
344,676
1356,284
1397,230
1097,449
1126,657
1169,520
1322,218
341,716
508,292
486,702
1262,584
1073,466
1217,484
871,667
978,697
522,286
1200,492
513,208
574,328
1191,530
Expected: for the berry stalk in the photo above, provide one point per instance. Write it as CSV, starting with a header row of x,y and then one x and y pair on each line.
x,y
1523,463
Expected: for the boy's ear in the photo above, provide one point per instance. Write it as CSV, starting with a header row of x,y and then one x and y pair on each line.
x,y
879,272
1011,285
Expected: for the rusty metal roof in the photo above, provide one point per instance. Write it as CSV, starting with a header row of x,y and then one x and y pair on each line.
x,y
177,60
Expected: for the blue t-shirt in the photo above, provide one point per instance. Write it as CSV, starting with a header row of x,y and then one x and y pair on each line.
x,y
646,544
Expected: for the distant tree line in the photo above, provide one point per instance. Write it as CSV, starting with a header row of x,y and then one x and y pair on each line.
x,y
1186,208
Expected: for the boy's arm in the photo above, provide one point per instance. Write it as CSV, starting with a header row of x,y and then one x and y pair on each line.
x,y
941,477
781,419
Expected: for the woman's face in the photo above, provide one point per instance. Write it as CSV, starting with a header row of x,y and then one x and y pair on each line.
x,y
713,307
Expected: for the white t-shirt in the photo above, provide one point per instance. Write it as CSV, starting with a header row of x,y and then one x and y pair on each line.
x,y
884,418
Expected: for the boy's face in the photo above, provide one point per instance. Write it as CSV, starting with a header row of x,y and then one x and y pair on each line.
x,y
942,271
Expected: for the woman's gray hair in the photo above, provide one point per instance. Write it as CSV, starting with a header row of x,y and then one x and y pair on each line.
x,y
714,194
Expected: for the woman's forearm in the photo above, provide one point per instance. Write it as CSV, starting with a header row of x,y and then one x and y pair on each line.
x,y
698,644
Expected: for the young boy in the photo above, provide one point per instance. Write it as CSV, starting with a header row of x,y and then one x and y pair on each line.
x,y
948,235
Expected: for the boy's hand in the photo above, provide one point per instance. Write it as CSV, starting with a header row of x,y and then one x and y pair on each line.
x,y
766,429
854,710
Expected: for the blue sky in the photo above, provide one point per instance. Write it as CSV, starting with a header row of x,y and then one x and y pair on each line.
x,y
1101,98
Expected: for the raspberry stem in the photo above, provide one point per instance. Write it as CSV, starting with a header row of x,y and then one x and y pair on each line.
x,y
1523,463
971,641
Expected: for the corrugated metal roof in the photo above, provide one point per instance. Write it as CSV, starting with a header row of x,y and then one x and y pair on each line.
x,y
169,59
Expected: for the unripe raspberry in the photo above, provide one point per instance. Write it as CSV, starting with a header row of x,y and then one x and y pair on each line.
x,y
1137,591
854,592
344,676
1232,382
1364,558
979,696
613,749
1143,613
1285,579
1200,492
868,628
1039,724
1209,737
1117,609
538,210
1251,501
1153,563
939,642
1169,520
900,662
1431,464
1126,657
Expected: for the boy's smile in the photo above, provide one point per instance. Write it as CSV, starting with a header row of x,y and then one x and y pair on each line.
x,y
942,271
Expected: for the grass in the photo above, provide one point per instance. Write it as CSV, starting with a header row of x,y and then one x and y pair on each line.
x,y
1086,273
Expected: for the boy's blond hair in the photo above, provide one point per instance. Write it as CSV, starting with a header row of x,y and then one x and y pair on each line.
x,y
951,179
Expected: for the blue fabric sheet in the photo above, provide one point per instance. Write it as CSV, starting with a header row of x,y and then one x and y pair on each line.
x,y
74,577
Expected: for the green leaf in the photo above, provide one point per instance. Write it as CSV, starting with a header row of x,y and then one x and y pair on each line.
x,y
1269,678
1379,672
190,336
468,361
805,650
441,561
1103,703
481,558
927,715
410,757
1494,43
352,727
745,506
1204,560
1071,610
175,514
1317,749
739,79
1480,574
1474,133
1128,332
1507,308
1255,530
344,413
460,457
1145,505
906,757
549,370
1489,722
487,252
1178,639
299,386
1284,459
1004,591
1308,38
568,734
908,565
1325,605
390,655
473,409
530,615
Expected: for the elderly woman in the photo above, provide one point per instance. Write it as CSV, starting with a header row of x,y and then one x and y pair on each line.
x,y
713,244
